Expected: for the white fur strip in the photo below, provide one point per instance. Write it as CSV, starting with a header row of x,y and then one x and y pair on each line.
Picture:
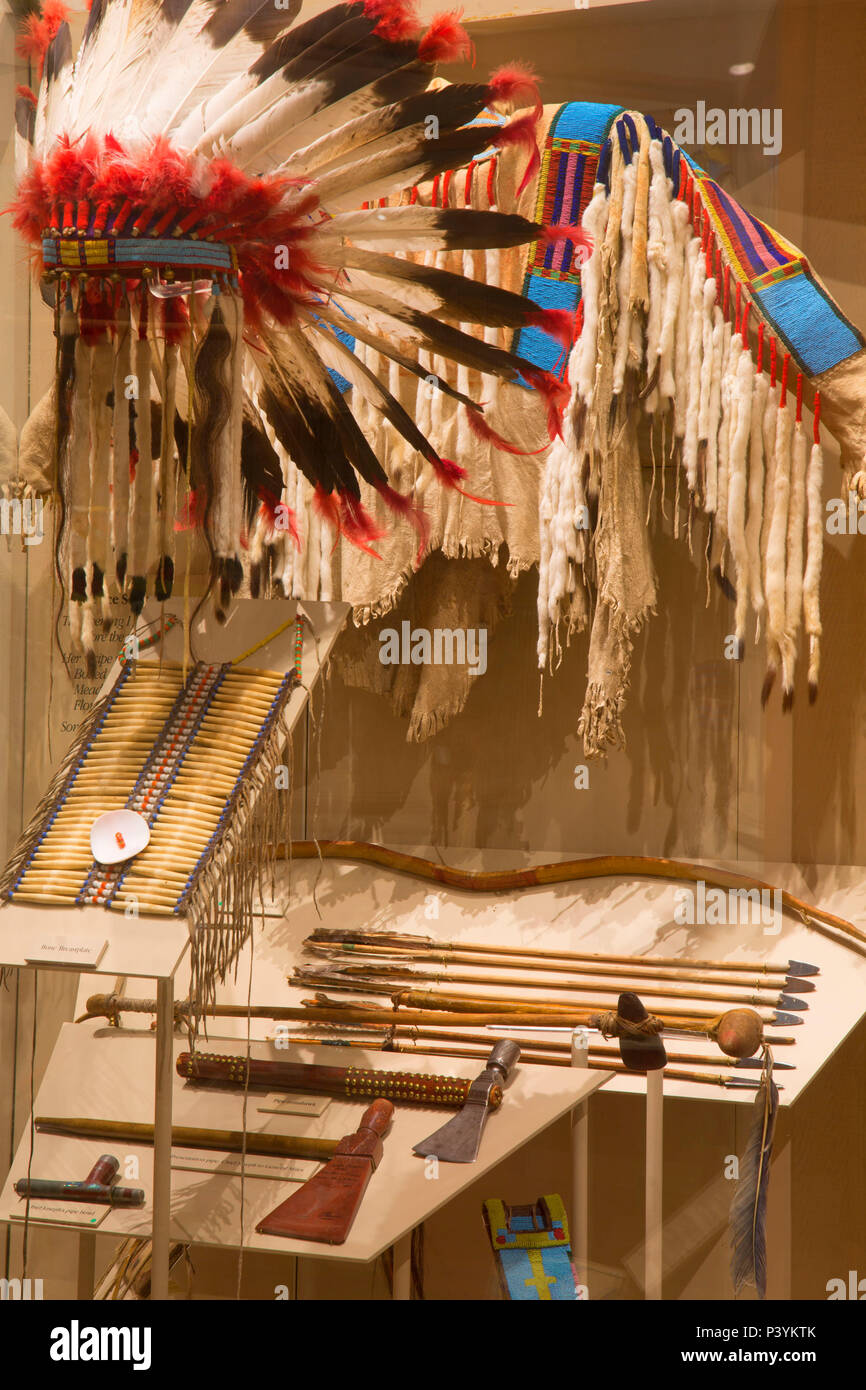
x,y
326,556
486,197
768,429
814,555
714,414
120,436
741,428
622,338
696,277
761,387
563,535
98,537
141,491
709,304
595,222
794,562
288,554
732,347
774,578
679,236
681,352
659,235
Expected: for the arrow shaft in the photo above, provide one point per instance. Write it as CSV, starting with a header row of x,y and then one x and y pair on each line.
x,y
631,967
720,996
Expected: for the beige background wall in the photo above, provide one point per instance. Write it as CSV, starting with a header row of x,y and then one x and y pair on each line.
x,y
706,772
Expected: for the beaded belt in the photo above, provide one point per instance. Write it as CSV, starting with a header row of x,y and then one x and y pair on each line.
x,y
532,1250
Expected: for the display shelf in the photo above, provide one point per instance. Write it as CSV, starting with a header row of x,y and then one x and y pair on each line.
x,y
105,1073
624,915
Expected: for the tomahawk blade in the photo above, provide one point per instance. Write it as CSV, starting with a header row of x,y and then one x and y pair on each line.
x,y
459,1140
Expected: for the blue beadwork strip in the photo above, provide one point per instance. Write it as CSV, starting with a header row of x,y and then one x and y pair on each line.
x,y
99,253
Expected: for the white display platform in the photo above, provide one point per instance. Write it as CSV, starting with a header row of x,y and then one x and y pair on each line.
x,y
626,916
153,947
107,1073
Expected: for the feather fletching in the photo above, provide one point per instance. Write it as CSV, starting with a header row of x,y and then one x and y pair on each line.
x,y
749,1207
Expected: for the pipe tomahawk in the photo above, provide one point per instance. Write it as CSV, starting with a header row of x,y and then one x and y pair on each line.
x,y
325,1207
460,1139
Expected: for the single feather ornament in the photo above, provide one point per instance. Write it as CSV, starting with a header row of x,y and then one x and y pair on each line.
x,y
749,1207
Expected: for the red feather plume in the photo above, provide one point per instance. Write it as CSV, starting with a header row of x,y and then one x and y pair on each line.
x,y
515,86
38,30
446,41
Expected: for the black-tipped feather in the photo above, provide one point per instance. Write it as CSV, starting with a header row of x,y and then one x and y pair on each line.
x,y
409,158
387,349
260,464
302,37
321,391
337,355
261,20
453,106
749,1207
470,301
433,335
421,229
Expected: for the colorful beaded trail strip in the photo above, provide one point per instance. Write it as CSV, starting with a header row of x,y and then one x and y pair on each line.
x,y
775,274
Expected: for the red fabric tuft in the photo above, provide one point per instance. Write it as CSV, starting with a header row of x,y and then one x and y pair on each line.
x,y
580,239
516,87
447,471
397,19
278,516
559,323
555,393
191,515
174,320
38,30
446,41
27,94
480,428
415,515
521,132
357,525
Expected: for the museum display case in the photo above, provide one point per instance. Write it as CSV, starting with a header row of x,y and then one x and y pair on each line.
x,y
433,458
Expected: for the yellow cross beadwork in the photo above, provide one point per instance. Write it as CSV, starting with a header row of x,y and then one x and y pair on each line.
x,y
539,1280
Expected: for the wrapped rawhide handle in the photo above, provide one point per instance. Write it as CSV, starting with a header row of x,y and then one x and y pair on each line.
x,y
350,1083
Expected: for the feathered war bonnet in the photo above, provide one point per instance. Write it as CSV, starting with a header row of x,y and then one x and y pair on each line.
x,y
191,185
